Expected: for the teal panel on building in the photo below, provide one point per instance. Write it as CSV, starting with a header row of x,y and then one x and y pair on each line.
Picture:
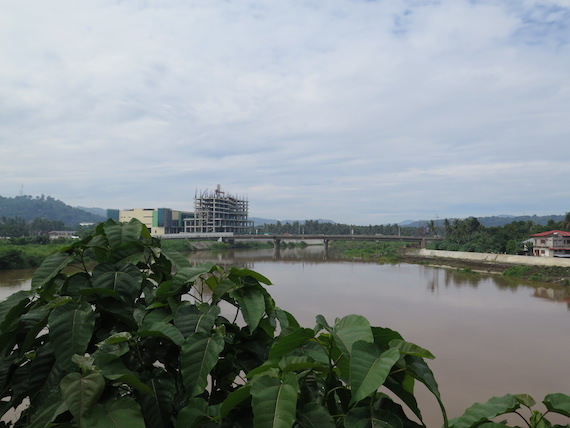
x,y
113,214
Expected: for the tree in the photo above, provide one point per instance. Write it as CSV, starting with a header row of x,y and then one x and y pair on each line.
x,y
566,222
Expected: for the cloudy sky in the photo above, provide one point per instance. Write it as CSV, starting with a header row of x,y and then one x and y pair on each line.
x,y
363,112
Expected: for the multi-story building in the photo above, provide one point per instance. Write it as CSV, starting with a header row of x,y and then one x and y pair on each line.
x,y
218,212
554,243
159,221
215,212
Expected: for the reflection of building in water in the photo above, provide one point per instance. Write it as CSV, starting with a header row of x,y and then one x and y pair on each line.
x,y
557,295
552,294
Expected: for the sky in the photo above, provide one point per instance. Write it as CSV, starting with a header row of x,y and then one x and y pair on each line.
x,y
361,112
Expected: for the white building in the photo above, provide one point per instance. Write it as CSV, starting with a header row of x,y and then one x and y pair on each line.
x,y
554,243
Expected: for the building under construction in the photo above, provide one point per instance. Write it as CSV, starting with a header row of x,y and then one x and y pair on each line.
x,y
215,212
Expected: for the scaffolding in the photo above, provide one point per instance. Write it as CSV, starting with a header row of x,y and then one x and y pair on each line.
x,y
215,211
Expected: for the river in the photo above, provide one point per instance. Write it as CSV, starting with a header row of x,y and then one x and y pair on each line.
x,y
490,335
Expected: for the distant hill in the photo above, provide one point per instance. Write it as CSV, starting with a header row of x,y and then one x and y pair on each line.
x,y
257,221
498,220
29,208
97,211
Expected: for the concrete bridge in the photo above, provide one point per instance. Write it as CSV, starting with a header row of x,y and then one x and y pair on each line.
x,y
278,238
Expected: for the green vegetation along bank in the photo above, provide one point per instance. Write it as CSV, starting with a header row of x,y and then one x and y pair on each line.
x,y
131,344
405,252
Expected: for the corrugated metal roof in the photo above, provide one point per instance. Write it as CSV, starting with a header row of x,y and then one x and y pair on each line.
x,y
552,232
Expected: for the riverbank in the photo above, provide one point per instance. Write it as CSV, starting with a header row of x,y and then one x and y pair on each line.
x,y
478,262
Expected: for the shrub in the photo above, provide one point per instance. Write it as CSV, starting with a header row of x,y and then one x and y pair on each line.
x,y
516,271
130,344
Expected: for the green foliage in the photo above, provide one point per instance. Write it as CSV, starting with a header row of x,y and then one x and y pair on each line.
x,y
314,227
24,256
482,414
369,250
144,339
516,271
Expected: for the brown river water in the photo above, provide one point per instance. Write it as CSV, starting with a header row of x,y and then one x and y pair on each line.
x,y
490,335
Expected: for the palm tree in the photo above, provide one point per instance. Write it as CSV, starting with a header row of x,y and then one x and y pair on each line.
x,y
566,222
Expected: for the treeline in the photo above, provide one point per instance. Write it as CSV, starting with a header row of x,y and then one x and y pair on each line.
x,y
20,228
470,235
28,208
314,227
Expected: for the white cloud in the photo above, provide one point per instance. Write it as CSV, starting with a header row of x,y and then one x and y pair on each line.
x,y
363,112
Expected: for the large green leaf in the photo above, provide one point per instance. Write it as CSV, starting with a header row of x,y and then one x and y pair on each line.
x,y
481,412
220,288
117,413
118,234
274,401
178,259
252,304
404,390
50,409
407,348
244,273
49,268
369,368
188,275
70,330
286,320
126,281
368,417
234,399
12,308
161,329
193,415
351,329
419,369
190,319
119,374
383,336
157,406
80,393
129,252
198,356
285,344
314,415
558,403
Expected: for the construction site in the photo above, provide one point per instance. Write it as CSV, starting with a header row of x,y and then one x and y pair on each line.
x,y
218,212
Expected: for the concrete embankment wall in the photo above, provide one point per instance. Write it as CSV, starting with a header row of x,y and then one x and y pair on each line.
x,y
497,258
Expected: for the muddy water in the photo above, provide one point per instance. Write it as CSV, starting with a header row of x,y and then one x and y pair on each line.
x,y
490,336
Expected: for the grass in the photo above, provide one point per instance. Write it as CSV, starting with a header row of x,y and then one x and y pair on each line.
x,y
387,251
25,256
516,271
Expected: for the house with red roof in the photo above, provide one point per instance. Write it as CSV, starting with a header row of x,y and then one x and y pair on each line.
x,y
554,243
